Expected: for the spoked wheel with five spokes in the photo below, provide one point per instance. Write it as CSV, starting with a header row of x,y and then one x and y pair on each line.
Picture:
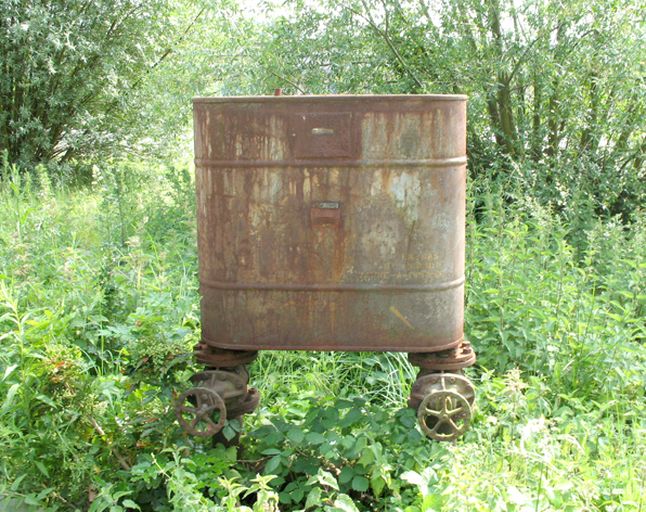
x,y
201,412
444,415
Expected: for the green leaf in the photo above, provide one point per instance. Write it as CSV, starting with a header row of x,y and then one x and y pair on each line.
x,y
297,494
285,498
347,473
131,504
44,493
360,483
46,400
8,400
295,435
41,467
377,484
367,457
433,502
228,432
31,499
313,498
9,370
352,416
272,464
16,483
344,502
314,438
327,479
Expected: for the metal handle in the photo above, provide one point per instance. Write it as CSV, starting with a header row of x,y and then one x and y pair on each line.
x,y
325,212
324,135
322,131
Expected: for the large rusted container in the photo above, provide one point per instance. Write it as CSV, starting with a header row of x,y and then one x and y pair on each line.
x,y
332,223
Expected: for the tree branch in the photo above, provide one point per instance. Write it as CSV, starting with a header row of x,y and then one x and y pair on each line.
x,y
386,37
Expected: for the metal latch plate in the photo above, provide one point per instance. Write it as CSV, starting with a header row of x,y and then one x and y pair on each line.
x,y
324,135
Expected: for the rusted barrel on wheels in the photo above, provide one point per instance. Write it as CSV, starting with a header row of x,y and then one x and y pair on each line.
x,y
332,223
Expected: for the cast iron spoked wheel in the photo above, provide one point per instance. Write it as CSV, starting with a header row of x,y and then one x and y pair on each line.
x,y
201,412
444,415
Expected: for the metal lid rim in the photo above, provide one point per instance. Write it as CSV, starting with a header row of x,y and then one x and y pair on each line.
x,y
329,97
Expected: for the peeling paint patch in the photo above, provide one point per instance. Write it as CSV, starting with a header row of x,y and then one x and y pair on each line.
x,y
406,189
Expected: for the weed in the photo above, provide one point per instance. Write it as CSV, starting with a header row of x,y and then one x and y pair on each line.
x,y
99,312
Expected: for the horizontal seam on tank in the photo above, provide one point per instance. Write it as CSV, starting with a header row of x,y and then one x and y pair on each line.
x,y
429,162
334,287
313,346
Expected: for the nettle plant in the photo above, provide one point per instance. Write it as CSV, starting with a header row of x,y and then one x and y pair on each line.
x,y
333,454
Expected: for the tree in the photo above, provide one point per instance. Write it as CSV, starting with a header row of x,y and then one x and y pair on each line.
x,y
68,68
556,92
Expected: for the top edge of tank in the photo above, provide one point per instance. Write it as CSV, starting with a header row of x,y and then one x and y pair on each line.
x,y
368,98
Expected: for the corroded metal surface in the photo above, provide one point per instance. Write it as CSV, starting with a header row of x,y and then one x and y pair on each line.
x,y
444,403
456,358
221,358
331,223
429,382
201,412
217,395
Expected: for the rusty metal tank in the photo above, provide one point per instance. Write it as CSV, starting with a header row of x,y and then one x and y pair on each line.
x,y
333,223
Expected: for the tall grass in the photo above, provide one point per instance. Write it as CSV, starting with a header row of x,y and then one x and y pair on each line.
x,y
99,312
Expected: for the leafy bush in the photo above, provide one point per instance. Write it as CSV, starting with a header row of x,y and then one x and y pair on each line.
x,y
537,302
99,311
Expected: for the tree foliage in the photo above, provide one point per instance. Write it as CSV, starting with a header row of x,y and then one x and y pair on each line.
x,y
556,88
69,69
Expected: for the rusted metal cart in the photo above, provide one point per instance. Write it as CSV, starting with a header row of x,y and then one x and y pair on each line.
x,y
331,223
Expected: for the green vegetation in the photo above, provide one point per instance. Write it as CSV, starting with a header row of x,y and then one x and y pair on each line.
x,y
98,266
99,311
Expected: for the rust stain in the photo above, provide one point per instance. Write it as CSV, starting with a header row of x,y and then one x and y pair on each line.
x,y
316,215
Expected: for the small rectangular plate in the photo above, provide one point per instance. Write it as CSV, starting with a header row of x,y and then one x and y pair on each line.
x,y
323,135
